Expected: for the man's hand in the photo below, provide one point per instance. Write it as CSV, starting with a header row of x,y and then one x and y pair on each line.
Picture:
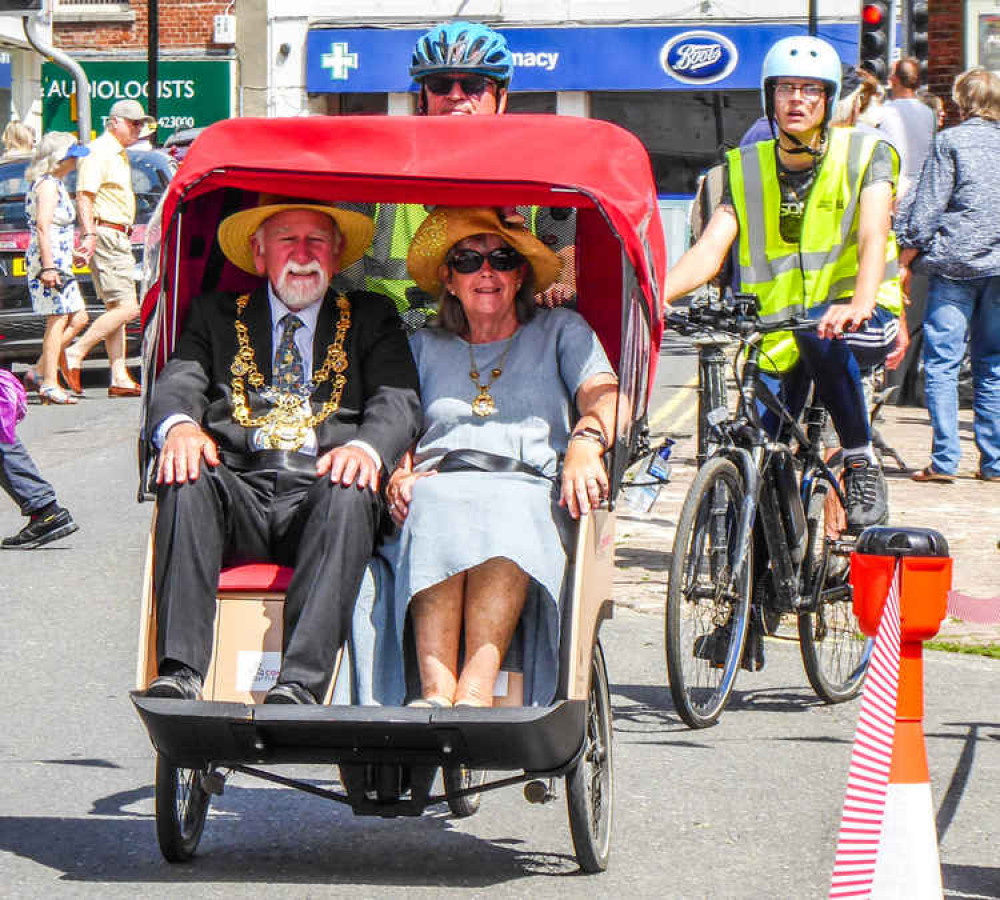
x,y
893,360
841,317
349,465
180,456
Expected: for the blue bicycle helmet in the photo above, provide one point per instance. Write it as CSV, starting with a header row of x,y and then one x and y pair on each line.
x,y
463,47
801,57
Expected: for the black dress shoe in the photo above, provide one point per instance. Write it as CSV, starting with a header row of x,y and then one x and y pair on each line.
x,y
289,692
180,686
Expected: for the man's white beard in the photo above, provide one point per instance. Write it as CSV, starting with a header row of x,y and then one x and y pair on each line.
x,y
300,294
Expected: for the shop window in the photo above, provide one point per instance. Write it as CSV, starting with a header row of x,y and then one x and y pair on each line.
x,y
356,104
531,102
684,132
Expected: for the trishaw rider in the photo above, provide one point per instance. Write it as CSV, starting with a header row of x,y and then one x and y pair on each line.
x,y
275,416
810,211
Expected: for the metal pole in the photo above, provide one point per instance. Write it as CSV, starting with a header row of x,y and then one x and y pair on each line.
x,y
36,37
153,63
812,17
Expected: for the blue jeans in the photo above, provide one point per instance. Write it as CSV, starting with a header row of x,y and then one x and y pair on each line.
x,y
19,477
835,367
958,311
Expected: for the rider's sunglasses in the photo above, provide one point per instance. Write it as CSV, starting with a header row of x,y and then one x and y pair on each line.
x,y
471,85
503,259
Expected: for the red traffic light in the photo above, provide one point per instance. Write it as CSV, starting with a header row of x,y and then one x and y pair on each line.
x,y
872,14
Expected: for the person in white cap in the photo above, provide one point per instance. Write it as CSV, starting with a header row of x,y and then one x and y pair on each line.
x,y
106,210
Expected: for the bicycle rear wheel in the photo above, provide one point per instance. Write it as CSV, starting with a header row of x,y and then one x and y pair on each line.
x,y
707,602
835,652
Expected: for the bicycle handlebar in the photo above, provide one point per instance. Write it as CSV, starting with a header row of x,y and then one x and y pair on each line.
x,y
740,317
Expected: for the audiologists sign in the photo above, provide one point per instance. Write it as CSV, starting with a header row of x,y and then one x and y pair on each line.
x,y
191,93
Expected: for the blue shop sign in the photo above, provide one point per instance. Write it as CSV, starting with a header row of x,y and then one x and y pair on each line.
x,y
5,70
638,58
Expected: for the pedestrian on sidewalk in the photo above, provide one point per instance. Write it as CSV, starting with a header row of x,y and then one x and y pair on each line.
x,y
106,204
20,478
954,225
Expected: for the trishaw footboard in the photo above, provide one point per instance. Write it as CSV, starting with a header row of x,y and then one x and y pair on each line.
x,y
194,734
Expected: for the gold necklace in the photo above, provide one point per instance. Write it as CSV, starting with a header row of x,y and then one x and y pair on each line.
x,y
286,425
484,404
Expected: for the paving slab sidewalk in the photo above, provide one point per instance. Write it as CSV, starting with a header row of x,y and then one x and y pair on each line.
x,y
966,512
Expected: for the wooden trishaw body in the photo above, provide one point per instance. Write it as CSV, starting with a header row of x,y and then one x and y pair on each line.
x,y
389,756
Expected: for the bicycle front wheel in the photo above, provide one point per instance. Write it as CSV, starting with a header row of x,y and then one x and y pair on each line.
x,y
835,653
707,601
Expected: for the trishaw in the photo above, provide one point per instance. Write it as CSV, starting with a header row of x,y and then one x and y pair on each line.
x,y
596,178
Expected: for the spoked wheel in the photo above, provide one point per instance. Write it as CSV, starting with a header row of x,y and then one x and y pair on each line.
x,y
459,778
181,809
835,652
590,783
707,602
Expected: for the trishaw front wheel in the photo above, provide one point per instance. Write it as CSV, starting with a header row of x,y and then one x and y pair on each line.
x,y
181,809
459,778
590,783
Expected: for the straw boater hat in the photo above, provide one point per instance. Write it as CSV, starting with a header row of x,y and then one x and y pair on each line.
x,y
236,230
448,225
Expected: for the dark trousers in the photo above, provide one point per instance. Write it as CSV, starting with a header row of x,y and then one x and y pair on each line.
x,y
325,531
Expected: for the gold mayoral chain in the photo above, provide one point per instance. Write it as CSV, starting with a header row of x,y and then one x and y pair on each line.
x,y
286,425
484,404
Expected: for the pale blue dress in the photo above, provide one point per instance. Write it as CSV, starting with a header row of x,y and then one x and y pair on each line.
x,y
458,520
44,300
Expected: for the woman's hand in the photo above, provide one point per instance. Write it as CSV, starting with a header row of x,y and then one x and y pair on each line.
x,y
584,481
399,492
50,278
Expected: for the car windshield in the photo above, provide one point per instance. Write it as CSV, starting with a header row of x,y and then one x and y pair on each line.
x,y
150,176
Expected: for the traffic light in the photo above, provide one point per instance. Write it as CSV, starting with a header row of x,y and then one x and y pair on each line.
x,y
19,6
917,36
875,44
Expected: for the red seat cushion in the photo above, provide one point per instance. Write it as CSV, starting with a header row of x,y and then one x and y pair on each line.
x,y
255,577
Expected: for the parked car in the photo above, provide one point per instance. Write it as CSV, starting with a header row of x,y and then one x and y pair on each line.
x,y
179,142
21,330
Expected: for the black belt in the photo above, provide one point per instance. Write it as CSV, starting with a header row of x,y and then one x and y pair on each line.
x,y
286,460
481,461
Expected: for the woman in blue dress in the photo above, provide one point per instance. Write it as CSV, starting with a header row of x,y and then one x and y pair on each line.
x,y
49,258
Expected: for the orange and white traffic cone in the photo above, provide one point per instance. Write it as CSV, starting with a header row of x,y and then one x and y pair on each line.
x,y
888,842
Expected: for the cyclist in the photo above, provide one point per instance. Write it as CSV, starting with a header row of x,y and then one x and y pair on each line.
x,y
462,68
810,212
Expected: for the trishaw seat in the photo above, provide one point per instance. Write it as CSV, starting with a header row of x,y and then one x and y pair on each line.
x,y
255,577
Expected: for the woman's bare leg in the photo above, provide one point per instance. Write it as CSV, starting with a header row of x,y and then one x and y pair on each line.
x,y
52,344
436,614
494,596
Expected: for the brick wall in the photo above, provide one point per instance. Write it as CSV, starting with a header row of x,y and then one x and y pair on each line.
x,y
184,25
946,49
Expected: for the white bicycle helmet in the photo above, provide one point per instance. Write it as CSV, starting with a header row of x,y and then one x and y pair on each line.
x,y
801,57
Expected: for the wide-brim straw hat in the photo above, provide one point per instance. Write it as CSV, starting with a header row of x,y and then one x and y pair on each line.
x,y
447,225
236,230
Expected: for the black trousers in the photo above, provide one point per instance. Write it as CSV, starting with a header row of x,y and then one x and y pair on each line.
x,y
325,531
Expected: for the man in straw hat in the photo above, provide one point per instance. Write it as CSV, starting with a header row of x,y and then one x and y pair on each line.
x,y
275,416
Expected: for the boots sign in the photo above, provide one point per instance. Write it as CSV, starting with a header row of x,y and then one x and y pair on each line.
x,y
191,93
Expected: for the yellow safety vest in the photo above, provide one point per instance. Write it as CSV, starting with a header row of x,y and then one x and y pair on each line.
x,y
822,267
385,260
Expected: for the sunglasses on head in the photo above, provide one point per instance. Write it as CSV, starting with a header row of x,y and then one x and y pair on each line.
x,y
471,85
503,259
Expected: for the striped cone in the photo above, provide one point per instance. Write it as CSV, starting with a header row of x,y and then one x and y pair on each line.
x,y
887,846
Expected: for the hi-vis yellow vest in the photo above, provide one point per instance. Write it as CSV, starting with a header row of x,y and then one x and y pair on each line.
x,y
789,278
385,261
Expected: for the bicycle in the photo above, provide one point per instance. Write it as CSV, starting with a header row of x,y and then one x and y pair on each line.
x,y
757,536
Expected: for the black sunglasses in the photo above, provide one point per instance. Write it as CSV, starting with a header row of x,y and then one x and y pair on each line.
x,y
471,85
503,259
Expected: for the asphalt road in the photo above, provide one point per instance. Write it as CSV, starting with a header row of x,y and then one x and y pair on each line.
x,y
749,808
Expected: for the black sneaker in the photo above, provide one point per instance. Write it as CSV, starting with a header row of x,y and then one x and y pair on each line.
x,y
41,530
864,486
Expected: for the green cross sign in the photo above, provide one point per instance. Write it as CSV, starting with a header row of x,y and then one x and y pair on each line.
x,y
339,61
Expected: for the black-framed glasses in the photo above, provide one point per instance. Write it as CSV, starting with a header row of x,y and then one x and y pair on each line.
x,y
503,259
471,85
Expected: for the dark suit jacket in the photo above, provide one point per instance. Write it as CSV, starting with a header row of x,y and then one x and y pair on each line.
x,y
380,404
